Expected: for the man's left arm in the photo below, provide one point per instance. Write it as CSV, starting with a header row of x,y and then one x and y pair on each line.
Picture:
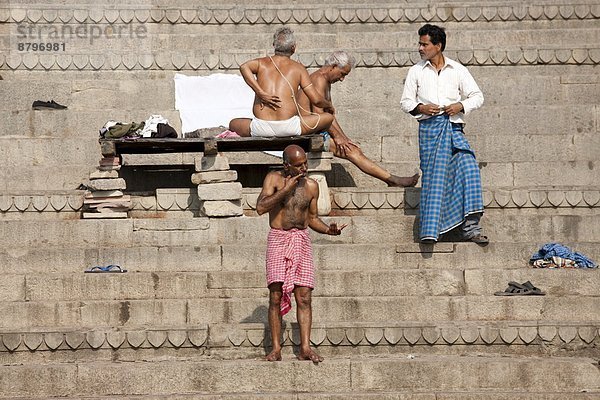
x,y
316,223
342,141
472,97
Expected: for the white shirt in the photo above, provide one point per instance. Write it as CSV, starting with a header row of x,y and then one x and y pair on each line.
x,y
453,84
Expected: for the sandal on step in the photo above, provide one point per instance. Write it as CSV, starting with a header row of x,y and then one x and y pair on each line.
x,y
479,239
514,289
108,269
534,291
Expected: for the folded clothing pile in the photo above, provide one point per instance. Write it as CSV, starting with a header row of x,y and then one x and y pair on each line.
x,y
556,255
154,127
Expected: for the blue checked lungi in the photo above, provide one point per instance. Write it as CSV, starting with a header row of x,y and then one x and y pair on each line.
x,y
451,183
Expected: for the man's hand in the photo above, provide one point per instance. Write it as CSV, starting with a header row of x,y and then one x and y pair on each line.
x,y
330,110
453,109
334,230
344,145
270,100
429,109
291,182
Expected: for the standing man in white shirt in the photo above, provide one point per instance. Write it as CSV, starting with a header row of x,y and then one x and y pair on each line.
x,y
439,92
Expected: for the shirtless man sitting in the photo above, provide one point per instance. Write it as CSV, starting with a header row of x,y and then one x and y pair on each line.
x,y
337,65
276,80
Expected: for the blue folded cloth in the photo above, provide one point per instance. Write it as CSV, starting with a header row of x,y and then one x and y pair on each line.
x,y
549,250
108,268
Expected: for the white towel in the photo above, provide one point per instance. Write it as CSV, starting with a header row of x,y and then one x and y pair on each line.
x,y
211,101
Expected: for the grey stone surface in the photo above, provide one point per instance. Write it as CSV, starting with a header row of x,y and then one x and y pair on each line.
x,y
107,184
153,159
145,334
214,177
104,174
458,373
222,208
134,286
564,282
212,163
220,191
409,308
336,376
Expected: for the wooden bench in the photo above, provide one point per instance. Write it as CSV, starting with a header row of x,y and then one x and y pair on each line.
x,y
115,147
218,189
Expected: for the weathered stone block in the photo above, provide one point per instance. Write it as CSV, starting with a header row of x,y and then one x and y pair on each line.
x,y
212,163
556,173
319,164
107,184
98,174
214,177
220,191
152,159
222,208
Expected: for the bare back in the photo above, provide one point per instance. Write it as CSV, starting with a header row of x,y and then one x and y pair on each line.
x,y
273,82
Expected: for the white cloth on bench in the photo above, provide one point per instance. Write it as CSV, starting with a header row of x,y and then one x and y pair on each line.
x,y
211,101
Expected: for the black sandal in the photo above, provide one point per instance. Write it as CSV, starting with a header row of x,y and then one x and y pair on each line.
x,y
514,289
534,291
479,239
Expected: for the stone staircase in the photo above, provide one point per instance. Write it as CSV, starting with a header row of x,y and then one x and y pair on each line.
x,y
394,319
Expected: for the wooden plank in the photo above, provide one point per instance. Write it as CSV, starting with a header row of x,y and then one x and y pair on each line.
x,y
309,143
107,148
210,147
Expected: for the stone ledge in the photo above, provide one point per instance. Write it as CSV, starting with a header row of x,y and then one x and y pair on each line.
x,y
342,198
336,334
332,13
390,198
366,58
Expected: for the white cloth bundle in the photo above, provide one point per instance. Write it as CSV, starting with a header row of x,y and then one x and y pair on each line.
x,y
211,101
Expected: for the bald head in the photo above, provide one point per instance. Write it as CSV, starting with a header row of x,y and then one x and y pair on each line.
x,y
294,161
293,152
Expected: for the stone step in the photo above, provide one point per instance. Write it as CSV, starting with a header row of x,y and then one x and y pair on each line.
x,y
88,96
358,395
335,375
252,339
223,284
237,38
501,226
178,312
242,257
310,12
190,285
556,282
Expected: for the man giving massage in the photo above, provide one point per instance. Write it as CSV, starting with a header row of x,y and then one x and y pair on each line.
x,y
276,81
337,66
290,198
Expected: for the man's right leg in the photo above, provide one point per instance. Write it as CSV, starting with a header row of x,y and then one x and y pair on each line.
x,y
241,126
316,123
275,294
366,165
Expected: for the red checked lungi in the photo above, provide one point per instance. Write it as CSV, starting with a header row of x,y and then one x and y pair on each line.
x,y
289,260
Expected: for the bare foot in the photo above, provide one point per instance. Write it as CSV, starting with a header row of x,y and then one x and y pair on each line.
x,y
310,355
403,181
275,355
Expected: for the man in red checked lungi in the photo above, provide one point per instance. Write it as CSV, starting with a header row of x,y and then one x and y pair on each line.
x,y
291,200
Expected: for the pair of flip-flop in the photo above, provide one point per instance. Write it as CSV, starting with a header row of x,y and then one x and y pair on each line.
x,y
520,289
113,268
